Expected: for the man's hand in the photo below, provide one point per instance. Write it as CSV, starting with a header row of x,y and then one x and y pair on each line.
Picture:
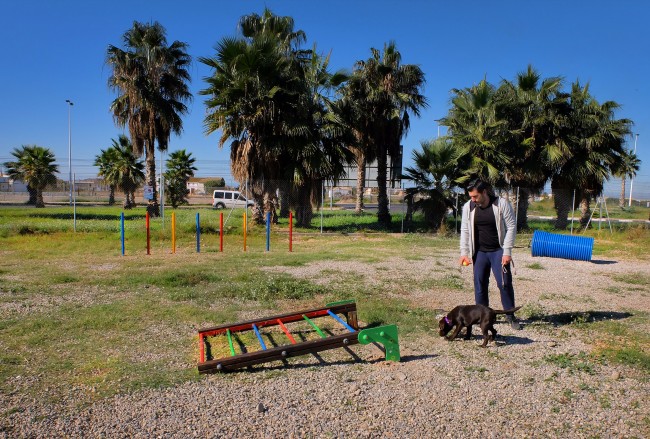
x,y
464,260
505,260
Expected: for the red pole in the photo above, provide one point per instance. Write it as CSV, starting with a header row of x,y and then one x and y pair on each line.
x,y
290,231
148,236
221,232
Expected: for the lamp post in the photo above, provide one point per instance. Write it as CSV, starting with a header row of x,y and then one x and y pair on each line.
x,y
636,137
70,104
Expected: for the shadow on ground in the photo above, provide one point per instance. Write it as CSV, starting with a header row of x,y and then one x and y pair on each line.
x,y
567,318
603,262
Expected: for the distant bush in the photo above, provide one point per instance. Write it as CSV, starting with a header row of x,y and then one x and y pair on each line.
x,y
219,182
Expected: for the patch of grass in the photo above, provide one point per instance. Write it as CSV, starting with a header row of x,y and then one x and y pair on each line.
x,y
532,311
633,279
619,342
64,278
632,356
450,281
605,401
613,290
553,296
586,388
568,394
535,266
573,363
382,311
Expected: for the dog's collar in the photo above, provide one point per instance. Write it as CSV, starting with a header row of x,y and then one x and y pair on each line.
x,y
447,320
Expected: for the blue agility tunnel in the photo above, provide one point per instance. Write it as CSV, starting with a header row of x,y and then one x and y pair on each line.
x,y
553,245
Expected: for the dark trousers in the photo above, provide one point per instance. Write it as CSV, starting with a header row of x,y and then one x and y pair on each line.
x,y
483,262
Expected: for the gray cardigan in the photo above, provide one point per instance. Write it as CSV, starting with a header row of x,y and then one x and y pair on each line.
x,y
506,227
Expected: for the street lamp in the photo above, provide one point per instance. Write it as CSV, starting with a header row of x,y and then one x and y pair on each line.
x,y
70,104
636,137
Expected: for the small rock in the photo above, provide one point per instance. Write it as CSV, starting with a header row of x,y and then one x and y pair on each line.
x,y
616,375
552,344
261,408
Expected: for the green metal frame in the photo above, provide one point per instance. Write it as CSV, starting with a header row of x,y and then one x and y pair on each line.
x,y
384,335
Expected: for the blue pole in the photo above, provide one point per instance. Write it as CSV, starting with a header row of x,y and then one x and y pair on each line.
x,y
348,327
268,231
259,337
198,233
122,229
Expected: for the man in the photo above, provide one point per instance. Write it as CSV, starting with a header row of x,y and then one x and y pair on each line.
x,y
487,236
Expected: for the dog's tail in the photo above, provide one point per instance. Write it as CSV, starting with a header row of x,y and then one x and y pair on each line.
x,y
506,311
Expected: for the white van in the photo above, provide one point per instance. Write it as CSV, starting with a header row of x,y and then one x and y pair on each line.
x,y
222,199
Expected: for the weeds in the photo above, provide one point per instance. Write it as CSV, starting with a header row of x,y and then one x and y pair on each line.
x,y
573,363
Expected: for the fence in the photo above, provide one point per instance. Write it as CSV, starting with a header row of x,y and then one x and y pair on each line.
x,y
330,207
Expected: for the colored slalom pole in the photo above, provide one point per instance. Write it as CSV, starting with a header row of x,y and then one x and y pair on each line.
x,y
221,232
268,231
313,325
148,235
122,230
244,231
198,233
173,232
290,231
259,337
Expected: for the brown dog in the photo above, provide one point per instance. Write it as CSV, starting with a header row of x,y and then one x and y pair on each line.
x,y
465,316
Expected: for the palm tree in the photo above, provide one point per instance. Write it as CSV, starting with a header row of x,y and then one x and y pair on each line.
x,y
35,167
479,132
180,167
122,169
438,167
529,105
384,92
104,161
13,168
628,166
593,148
250,94
317,151
264,96
151,79
358,121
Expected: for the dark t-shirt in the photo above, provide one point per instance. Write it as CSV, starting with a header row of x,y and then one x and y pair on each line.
x,y
485,229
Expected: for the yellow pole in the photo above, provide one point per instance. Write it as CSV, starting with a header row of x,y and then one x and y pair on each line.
x,y
173,232
244,231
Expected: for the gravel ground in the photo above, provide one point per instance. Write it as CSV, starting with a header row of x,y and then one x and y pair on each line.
x,y
440,389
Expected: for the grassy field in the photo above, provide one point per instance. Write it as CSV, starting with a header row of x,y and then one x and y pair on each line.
x,y
545,208
76,313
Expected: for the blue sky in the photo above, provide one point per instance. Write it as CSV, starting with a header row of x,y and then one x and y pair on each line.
x,y
55,51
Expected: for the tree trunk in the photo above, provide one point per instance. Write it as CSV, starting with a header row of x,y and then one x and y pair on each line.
x,y
32,195
284,198
562,199
270,206
383,215
111,195
127,200
621,199
408,216
522,208
304,209
150,178
39,198
585,211
361,182
436,214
